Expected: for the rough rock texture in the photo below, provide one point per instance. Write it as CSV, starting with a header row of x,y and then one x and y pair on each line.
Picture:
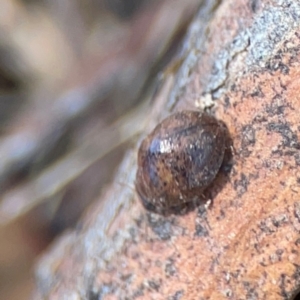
x,y
240,60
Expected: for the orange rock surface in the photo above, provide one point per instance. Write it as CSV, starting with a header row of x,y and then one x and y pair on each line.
x,y
245,244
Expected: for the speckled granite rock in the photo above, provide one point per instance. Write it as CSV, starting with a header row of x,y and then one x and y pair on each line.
x,y
240,59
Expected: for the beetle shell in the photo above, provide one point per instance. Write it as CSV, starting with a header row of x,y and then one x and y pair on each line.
x,y
179,159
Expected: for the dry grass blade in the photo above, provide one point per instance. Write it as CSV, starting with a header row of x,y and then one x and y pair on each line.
x,y
52,180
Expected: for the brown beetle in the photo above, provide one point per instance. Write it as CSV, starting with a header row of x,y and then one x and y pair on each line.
x,y
179,159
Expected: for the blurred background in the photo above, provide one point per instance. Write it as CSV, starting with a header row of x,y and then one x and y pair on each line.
x,y
76,79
